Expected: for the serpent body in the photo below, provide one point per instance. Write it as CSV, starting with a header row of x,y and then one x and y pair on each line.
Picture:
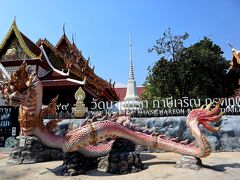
x,y
25,89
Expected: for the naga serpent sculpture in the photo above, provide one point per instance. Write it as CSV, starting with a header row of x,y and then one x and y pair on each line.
x,y
24,89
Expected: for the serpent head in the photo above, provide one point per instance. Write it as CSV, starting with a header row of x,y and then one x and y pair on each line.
x,y
17,89
205,116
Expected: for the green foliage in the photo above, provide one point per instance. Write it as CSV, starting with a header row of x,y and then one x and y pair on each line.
x,y
197,71
208,67
169,45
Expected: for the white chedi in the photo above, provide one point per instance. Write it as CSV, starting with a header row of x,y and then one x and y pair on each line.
x,y
131,100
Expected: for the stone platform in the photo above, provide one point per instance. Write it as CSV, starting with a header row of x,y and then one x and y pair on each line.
x,y
29,150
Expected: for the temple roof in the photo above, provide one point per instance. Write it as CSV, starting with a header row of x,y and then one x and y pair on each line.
x,y
79,66
121,92
235,64
31,49
62,64
55,57
64,41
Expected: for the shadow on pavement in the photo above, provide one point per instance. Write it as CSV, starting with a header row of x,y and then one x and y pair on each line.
x,y
159,162
222,167
219,167
57,171
146,157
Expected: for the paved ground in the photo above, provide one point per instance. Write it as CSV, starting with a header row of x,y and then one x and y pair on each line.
x,y
218,166
4,152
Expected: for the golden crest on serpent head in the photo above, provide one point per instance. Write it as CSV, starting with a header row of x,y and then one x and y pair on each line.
x,y
79,108
20,79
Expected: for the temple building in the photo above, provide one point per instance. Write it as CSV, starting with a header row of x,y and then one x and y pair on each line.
x,y
121,92
235,65
61,68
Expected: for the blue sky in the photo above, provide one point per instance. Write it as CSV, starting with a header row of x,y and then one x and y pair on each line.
x,y
102,27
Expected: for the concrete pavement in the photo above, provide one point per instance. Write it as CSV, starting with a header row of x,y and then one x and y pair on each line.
x,y
218,166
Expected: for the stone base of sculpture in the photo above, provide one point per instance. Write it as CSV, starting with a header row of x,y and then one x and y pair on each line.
x,y
75,163
28,149
189,162
122,159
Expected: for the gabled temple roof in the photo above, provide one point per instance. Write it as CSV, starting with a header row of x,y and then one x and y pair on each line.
x,y
63,41
56,60
64,44
31,49
61,64
78,69
235,64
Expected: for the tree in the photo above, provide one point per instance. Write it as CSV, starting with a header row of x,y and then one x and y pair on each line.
x,y
197,71
162,77
160,80
169,45
208,69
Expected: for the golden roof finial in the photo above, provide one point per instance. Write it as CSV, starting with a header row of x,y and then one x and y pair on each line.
x,y
230,45
64,33
73,40
14,24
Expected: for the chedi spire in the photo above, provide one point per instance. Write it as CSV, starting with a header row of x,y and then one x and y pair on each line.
x,y
131,94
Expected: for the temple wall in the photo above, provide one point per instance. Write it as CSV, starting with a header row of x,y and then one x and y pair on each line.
x,y
41,71
11,69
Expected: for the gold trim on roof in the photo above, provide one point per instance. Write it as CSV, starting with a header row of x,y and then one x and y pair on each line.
x,y
14,29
